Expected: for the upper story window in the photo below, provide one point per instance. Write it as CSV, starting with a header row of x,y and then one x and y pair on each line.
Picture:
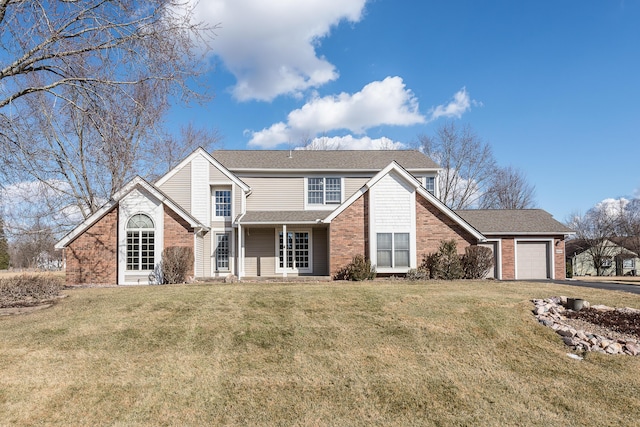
x,y
324,191
222,203
430,184
140,243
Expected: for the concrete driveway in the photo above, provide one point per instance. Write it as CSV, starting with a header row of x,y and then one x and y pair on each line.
x,y
611,286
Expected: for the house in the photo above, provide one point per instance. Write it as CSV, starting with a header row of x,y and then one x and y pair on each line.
x,y
615,256
299,213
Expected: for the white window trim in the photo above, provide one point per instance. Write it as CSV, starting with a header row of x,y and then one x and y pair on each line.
x,y
221,187
214,257
323,206
232,251
393,269
277,249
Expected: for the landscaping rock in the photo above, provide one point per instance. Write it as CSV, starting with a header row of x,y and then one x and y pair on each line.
x,y
552,314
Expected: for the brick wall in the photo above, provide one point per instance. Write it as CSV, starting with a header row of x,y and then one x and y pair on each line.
x,y
433,226
559,259
177,232
349,234
93,256
508,258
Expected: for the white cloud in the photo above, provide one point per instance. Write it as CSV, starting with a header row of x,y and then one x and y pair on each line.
x,y
460,104
348,142
270,46
612,207
387,102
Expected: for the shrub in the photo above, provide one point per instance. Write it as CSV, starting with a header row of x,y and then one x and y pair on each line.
x,y
476,262
176,263
444,264
358,269
415,274
28,289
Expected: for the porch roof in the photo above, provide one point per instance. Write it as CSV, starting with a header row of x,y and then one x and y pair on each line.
x,y
282,217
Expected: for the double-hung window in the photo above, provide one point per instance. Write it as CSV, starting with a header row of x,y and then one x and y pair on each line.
x,y
393,250
222,203
430,184
324,191
140,243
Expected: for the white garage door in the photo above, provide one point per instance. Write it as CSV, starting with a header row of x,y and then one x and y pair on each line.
x,y
533,260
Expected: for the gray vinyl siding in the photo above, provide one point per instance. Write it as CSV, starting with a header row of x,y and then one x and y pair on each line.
x,y
320,252
351,185
198,255
275,194
178,187
237,202
206,255
216,176
260,259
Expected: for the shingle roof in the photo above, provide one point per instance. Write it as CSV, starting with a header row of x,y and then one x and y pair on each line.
x,y
282,217
517,221
237,160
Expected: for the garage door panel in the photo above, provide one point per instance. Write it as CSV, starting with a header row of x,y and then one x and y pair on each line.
x,y
533,260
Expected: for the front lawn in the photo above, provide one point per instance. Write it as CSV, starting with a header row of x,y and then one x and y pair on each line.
x,y
372,353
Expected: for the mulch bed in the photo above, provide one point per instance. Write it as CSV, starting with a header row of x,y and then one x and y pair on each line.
x,y
616,320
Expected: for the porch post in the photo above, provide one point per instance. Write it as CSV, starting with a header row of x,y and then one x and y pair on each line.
x,y
285,255
240,254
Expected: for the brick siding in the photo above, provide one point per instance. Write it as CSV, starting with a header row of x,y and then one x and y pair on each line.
x,y
559,259
508,258
433,226
177,232
349,234
92,257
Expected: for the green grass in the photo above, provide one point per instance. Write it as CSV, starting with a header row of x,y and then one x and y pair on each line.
x,y
382,353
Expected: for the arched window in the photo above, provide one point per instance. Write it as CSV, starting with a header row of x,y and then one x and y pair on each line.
x,y
140,243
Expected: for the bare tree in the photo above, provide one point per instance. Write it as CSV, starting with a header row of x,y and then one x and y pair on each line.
x,y
508,189
467,163
593,232
84,87
629,225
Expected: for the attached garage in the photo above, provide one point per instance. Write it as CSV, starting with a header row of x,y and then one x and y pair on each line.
x,y
532,259
529,242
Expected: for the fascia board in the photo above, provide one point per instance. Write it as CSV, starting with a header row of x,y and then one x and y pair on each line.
x,y
97,215
119,195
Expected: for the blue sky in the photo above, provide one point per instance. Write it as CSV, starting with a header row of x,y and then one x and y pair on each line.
x,y
552,85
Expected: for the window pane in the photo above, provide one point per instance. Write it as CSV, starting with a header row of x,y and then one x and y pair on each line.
x,y
401,258
140,221
384,249
332,193
384,258
223,203
384,241
401,241
315,191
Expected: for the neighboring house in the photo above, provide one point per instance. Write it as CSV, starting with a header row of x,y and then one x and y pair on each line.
x,y
614,257
299,213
